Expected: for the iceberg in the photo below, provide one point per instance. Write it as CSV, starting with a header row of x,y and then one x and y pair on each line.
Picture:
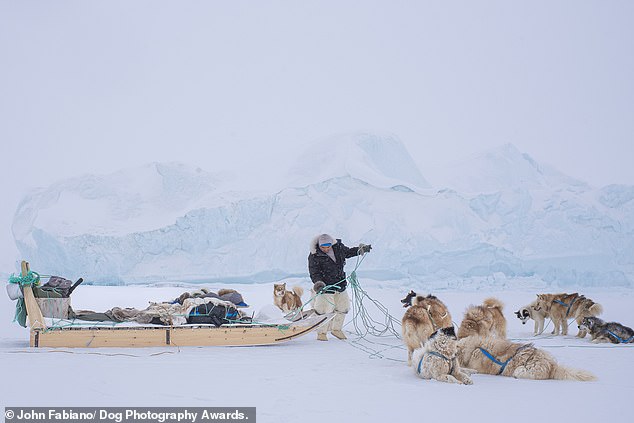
x,y
171,222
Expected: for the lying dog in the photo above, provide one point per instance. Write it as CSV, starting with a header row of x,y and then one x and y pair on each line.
x,y
533,311
561,307
287,301
495,356
437,359
601,331
423,317
484,320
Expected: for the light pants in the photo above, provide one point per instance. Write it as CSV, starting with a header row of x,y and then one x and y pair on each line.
x,y
339,302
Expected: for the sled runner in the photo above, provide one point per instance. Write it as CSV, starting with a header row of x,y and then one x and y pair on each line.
x,y
177,336
123,336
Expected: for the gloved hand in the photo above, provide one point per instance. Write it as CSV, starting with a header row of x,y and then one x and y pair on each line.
x,y
318,286
363,248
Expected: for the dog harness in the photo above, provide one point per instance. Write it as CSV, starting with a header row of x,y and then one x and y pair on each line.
x,y
621,340
500,363
433,323
437,354
568,306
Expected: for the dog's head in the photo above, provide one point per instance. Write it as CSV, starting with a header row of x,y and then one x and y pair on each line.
x,y
407,301
523,314
449,332
279,289
589,323
444,340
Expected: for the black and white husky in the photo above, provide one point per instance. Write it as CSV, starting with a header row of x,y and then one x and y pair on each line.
x,y
533,311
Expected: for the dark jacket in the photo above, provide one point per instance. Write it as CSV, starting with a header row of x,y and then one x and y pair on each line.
x,y
322,268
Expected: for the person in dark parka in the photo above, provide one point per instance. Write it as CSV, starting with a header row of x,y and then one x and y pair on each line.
x,y
326,263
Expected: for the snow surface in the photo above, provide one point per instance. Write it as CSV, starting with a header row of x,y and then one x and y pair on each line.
x,y
500,215
304,380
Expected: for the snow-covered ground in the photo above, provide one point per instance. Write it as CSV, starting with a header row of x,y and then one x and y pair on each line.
x,y
364,379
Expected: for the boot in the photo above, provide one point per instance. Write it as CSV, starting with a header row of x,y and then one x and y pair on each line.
x,y
339,334
322,337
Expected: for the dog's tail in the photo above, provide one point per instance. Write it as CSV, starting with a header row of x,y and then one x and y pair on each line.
x,y
565,373
298,290
493,303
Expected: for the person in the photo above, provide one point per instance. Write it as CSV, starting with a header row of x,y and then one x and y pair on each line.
x,y
325,265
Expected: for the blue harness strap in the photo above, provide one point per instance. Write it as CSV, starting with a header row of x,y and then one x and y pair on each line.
x,y
498,362
568,306
621,340
420,363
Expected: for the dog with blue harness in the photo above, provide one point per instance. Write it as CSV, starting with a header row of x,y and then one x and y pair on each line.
x,y
601,331
561,307
501,357
436,359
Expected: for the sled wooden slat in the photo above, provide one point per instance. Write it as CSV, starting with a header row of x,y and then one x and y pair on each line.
x,y
96,338
181,336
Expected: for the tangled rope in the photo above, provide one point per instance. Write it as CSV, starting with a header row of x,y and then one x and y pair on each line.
x,y
31,278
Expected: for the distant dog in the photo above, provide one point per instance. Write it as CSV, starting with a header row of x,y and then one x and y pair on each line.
x,y
423,317
495,356
561,307
533,311
287,301
484,320
601,331
437,358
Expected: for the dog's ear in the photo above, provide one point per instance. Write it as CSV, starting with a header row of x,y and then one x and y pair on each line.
x,y
449,331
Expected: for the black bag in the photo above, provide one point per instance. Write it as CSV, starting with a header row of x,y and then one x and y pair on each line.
x,y
56,287
212,314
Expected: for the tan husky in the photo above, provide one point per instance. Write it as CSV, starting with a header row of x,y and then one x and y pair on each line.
x,y
561,307
495,356
287,301
483,320
424,317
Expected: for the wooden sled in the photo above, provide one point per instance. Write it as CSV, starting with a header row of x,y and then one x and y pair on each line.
x,y
161,336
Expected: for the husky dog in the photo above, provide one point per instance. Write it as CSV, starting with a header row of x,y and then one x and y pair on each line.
x,y
533,311
287,301
484,320
426,315
601,331
495,356
561,307
436,359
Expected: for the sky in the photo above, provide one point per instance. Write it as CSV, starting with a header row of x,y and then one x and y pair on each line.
x,y
246,85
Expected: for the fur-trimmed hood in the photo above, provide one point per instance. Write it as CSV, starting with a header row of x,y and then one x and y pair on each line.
x,y
314,243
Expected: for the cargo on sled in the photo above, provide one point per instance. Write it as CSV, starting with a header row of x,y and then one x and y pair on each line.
x,y
157,329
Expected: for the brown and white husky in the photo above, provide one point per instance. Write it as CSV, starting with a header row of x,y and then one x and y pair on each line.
x,y
423,317
287,301
561,307
483,320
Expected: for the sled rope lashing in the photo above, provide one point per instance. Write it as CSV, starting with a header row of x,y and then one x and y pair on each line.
x,y
363,321
361,315
502,364
437,354
621,340
30,279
